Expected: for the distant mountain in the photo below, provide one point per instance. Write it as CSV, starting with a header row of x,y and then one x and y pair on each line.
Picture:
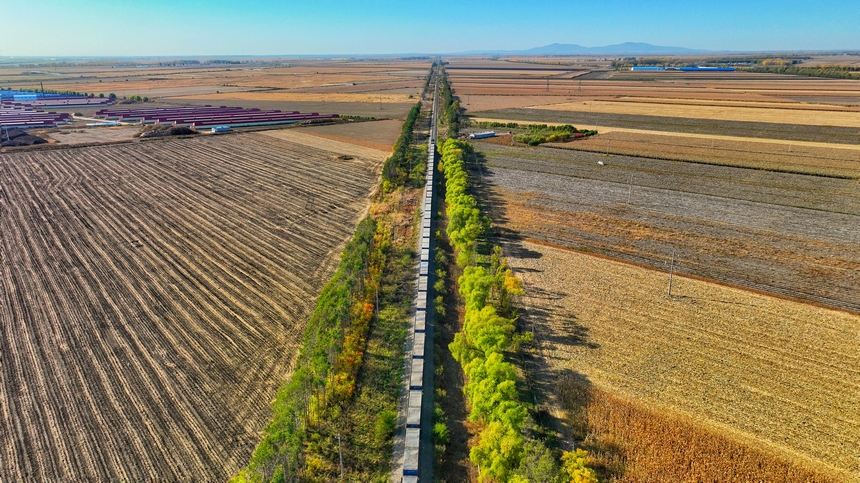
x,y
616,49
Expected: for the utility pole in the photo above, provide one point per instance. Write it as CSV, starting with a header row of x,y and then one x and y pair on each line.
x,y
671,271
340,455
629,189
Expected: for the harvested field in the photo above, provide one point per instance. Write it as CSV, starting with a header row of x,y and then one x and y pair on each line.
x,y
379,135
476,103
788,91
631,441
304,96
816,150
748,129
776,377
692,103
784,233
727,112
93,134
153,295
374,109
797,156
331,145
320,76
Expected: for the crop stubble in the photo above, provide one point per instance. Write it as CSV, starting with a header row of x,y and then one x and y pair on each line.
x,y
780,376
785,233
152,297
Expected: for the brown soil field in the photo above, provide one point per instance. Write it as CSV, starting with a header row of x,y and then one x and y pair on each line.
x,y
93,134
305,96
475,103
329,75
811,158
412,86
714,112
772,105
789,91
379,135
153,296
785,233
780,380
318,104
253,79
300,136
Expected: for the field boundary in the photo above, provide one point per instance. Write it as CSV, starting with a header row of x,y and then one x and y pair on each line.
x,y
691,276
716,137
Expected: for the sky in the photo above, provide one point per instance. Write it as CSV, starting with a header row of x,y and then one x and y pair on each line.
x,y
330,27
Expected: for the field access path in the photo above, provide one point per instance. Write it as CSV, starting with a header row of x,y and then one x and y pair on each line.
x,y
153,296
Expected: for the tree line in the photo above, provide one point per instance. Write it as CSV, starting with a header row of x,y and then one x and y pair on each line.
x,y
407,163
508,447
297,443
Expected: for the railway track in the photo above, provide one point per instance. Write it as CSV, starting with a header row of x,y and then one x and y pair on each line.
x,y
413,445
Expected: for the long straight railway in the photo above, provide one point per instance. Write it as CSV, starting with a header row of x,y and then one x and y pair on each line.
x,y
413,445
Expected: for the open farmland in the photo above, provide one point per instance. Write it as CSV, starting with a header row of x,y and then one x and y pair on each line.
x,y
840,160
720,111
374,134
711,384
739,104
153,295
357,107
476,78
157,82
785,233
748,129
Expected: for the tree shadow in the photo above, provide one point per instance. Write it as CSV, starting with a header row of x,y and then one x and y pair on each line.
x,y
562,401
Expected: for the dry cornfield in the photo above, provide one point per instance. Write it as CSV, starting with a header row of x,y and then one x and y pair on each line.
x,y
153,295
779,379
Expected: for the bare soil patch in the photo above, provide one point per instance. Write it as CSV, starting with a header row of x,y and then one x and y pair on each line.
x,y
153,295
93,134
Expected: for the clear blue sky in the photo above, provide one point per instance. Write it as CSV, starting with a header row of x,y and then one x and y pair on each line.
x,y
215,27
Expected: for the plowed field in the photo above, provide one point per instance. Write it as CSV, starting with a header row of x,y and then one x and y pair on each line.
x,y
152,296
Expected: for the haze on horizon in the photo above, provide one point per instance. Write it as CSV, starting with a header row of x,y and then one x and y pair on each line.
x,y
330,27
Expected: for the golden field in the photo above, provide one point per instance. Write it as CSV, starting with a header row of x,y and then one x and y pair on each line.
x,y
780,375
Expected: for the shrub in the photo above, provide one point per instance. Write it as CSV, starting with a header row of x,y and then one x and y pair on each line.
x,y
385,423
